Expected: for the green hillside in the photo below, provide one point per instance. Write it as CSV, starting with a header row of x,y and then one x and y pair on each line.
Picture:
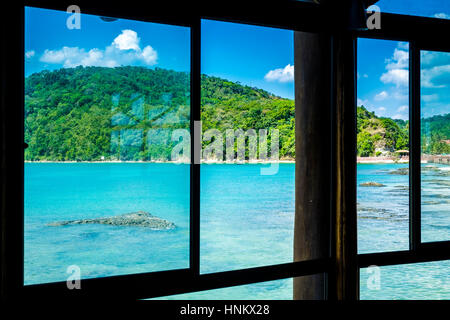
x,y
129,113
380,136
436,134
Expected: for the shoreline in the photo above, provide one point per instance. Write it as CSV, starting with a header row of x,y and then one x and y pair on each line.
x,y
168,161
359,160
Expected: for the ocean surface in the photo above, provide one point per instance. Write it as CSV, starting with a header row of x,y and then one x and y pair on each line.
x,y
246,221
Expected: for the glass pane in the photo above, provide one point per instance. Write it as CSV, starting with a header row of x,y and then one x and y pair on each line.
x,y
426,8
247,203
382,146
103,100
435,131
270,290
421,281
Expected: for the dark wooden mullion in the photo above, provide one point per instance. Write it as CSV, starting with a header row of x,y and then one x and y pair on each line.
x,y
194,256
414,146
428,252
163,283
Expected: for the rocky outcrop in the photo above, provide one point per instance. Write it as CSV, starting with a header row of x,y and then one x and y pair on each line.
x,y
400,171
371,184
134,219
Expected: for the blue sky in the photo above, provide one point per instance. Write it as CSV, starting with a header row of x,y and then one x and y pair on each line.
x,y
382,84
49,44
257,56
383,67
425,8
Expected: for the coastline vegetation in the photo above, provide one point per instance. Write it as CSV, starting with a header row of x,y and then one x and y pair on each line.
x,y
130,113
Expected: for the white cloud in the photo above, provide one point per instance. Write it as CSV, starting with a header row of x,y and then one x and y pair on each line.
x,y
399,60
30,54
403,45
124,50
65,55
361,102
397,67
381,109
400,116
402,108
442,15
399,77
430,97
428,76
149,55
127,40
358,76
398,95
381,96
285,74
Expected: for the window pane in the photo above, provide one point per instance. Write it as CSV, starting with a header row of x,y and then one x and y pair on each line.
x,y
270,290
421,281
247,203
102,105
426,8
382,146
435,130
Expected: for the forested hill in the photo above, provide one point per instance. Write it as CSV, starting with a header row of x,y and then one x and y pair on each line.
x,y
378,135
383,136
127,113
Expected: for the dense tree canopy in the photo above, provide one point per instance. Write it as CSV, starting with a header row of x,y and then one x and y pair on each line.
x,y
130,113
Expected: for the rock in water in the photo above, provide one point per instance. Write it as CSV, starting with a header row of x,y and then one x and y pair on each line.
x,y
134,219
371,184
400,171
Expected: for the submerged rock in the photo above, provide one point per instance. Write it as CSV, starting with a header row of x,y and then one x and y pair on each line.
x,y
400,171
371,184
134,219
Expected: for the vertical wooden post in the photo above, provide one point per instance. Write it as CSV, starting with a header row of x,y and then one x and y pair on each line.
x,y
11,153
313,157
346,276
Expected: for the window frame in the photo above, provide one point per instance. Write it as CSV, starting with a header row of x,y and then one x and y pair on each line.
x,y
422,34
162,283
293,15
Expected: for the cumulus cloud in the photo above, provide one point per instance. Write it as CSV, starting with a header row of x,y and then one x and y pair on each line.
x,y
381,96
399,77
429,97
361,102
399,60
30,54
397,67
127,40
285,74
436,76
403,45
402,108
400,116
124,50
442,15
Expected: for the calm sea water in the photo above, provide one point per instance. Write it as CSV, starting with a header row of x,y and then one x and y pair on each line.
x,y
246,221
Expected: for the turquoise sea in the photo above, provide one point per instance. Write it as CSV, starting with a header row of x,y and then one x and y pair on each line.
x,y
246,221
